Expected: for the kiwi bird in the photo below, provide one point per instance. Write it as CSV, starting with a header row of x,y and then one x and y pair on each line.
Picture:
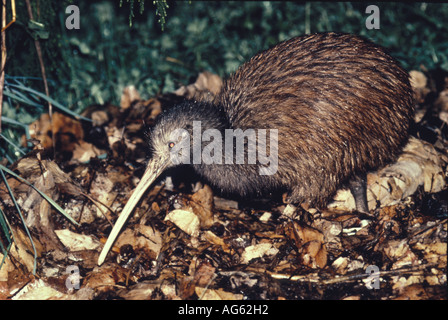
x,y
335,106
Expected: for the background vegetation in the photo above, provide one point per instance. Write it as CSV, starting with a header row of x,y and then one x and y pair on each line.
x,y
93,64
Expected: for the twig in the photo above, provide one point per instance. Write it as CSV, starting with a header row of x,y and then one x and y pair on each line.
x,y
96,202
13,9
44,77
3,62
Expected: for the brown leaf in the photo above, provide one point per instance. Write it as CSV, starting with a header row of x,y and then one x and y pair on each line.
x,y
442,102
216,294
22,250
50,179
202,205
400,252
144,109
77,242
202,273
419,83
214,239
310,243
257,251
142,237
419,164
105,276
207,85
413,292
84,151
130,94
66,130
186,220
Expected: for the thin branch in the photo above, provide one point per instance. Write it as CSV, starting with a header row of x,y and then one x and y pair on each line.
x,y
3,62
44,77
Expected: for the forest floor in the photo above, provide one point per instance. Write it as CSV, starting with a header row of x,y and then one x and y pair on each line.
x,y
184,241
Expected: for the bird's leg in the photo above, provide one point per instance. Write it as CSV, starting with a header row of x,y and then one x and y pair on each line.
x,y
358,188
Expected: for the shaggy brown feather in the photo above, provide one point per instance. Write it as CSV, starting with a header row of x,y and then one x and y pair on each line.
x,y
341,104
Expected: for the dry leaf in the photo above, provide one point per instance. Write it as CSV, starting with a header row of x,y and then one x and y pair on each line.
x,y
442,103
202,205
332,231
257,251
22,250
7,267
67,131
434,253
419,85
410,291
145,289
144,109
84,151
340,265
310,243
104,276
419,164
186,220
50,179
77,242
224,204
39,290
216,294
400,252
130,94
418,79
142,237
214,239
265,217
103,191
100,118
206,86
204,274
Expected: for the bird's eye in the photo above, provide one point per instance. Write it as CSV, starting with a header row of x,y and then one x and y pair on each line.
x,y
171,144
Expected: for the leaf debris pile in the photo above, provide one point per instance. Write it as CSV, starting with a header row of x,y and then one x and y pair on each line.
x,y
185,242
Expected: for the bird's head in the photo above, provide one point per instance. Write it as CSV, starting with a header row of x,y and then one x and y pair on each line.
x,y
169,140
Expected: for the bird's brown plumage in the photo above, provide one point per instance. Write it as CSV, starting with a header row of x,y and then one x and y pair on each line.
x,y
342,106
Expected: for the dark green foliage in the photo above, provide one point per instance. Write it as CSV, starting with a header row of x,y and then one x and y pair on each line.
x,y
94,63
161,7
219,36
22,58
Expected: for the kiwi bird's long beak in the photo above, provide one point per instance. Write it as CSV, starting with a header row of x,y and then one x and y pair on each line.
x,y
153,170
